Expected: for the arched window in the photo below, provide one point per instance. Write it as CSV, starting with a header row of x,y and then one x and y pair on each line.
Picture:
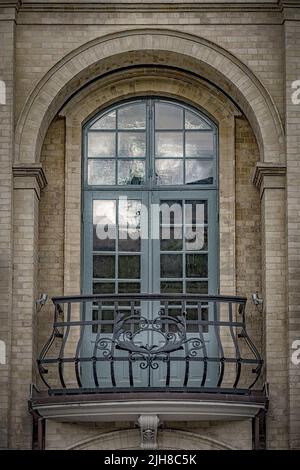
x,y
150,201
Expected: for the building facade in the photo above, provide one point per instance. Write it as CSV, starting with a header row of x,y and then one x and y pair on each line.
x,y
191,103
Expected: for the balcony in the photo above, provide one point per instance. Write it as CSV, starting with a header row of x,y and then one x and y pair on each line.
x,y
176,356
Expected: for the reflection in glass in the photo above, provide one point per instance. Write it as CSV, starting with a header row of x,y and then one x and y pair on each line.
x,y
192,121
198,144
131,144
131,172
132,117
129,267
106,122
101,172
168,116
104,211
130,213
101,145
198,172
169,172
169,144
171,266
104,266
196,265
104,238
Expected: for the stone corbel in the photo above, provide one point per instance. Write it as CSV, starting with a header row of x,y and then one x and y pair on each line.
x,y
148,425
29,177
269,175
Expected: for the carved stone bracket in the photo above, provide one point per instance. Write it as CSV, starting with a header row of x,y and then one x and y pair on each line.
x,y
148,425
269,175
29,177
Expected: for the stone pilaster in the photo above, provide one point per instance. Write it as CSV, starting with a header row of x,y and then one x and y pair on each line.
x,y
270,180
28,182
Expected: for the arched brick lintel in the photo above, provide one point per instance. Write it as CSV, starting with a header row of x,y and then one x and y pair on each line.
x,y
216,64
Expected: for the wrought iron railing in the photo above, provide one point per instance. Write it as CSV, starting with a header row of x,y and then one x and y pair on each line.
x,y
149,342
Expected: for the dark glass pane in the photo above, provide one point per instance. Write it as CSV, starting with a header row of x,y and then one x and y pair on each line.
x,y
197,287
104,266
196,238
168,287
132,116
106,315
101,144
129,239
192,315
132,144
129,267
198,172
106,122
99,242
168,116
169,144
171,266
131,172
169,172
195,212
199,144
171,238
129,287
196,266
101,172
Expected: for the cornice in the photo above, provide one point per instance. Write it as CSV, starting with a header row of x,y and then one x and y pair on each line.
x,y
31,171
11,4
159,7
267,169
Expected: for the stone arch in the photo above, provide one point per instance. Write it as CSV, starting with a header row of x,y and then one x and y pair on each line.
x,y
168,439
137,47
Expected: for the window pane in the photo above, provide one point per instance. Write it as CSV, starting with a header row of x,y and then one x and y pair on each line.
x,y
104,238
132,117
169,172
129,287
103,288
104,211
192,121
198,144
129,239
171,212
171,238
132,144
197,287
131,172
195,212
130,213
196,238
169,144
168,116
104,266
171,266
198,172
196,266
129,267
106,122
101,144
167,287
101,172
